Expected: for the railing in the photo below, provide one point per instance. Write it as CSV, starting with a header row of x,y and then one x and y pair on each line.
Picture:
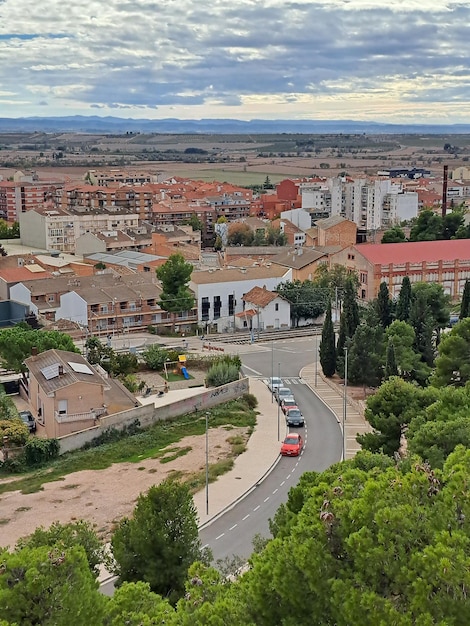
x,y
80,417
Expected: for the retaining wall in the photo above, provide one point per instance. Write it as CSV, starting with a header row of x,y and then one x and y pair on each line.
x,y
149,414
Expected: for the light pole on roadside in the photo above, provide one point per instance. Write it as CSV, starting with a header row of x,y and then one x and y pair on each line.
x,y
345,401
316,359
207,462
272,371
278,408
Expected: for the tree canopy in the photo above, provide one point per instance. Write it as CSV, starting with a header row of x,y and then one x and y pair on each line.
x,y
453,362
175,275
159,543
307,299
16,344
395,234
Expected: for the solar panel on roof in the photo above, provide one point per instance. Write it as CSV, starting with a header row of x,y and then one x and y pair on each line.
x,y
51,371
80,368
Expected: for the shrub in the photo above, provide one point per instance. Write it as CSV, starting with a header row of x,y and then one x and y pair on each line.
x,y
16,431
250,400
221,373
130,382
151,329
38,451
155,356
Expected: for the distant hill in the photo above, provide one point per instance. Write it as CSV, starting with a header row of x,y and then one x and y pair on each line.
x,y
96,124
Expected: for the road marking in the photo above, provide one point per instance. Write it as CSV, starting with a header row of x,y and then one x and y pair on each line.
x,y
234,526
266,499
220,536
204,547
288,477
256,508
246,517
293,469
283,482
252,370
275,491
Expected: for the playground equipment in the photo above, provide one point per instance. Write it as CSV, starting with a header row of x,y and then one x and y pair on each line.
x,y
182,364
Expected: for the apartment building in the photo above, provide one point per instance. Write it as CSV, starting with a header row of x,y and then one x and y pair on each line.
x,y
443,262
118,177
220,292
17,198
50,228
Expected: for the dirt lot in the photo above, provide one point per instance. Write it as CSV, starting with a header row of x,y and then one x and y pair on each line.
x,y
103,497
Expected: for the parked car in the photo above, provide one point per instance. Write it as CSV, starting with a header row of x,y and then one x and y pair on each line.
x,y
274,382
281,393
294,417
292,445
29,420
289,402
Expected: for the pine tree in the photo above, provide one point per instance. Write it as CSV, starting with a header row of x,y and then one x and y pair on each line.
x,y
384,306
327,345
465,306
391,368
422,322
404,300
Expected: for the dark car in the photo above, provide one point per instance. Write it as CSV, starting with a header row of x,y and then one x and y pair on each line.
x,y
294,417
29,420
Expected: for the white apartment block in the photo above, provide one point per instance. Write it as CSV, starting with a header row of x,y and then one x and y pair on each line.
x,y
57,229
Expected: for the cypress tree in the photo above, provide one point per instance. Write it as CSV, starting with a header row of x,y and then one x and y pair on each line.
x,y
348,323
384,306
404,301
465,306
327,345
391,368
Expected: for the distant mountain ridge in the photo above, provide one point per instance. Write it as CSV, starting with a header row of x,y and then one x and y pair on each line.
x,y
96,124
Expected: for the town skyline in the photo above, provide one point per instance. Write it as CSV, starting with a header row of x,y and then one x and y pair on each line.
x,y
357,60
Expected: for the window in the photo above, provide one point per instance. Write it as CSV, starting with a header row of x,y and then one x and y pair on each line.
x,y
276,306
217,307
363,278
205,306
231,304
363,294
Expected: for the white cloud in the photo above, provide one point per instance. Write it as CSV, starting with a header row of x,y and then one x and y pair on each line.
x,y
261,58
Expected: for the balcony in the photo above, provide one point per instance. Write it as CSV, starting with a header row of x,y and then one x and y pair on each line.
x,y
64,418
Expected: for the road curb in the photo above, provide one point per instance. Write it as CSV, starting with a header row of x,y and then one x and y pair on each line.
x,y
242,496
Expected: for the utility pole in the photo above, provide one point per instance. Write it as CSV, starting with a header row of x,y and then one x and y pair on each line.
x,y
316,359
207,462
278,408
257,311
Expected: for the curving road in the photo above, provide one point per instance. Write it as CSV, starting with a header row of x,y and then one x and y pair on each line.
x,y
232,533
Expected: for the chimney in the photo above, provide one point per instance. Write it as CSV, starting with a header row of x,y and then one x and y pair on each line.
x,y
444,191
34,351
61,370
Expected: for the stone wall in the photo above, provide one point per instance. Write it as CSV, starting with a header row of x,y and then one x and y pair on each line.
x,y
148,414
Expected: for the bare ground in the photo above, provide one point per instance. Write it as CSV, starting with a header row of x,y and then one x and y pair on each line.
x,y
103,497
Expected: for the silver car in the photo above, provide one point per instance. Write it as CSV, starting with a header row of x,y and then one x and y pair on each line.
x,y
282,392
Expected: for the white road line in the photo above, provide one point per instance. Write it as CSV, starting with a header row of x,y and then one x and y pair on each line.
x,y
206,546
252,370
283,482
293,469
288,477
220,536
234,526
275,491
256,508
246,517
266,499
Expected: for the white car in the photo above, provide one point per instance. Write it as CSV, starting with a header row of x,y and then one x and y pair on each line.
x,y
281,393
274,383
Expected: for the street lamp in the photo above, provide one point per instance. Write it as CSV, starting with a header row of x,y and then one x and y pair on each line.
x,y
316,359
278,408
345,400
207,462
272,370
165,364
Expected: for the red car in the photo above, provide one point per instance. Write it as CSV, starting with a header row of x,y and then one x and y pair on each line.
x,y
288,403
292,445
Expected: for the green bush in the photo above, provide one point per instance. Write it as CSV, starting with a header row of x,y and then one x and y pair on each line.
x,y
155,356
221,374
250,400
16,431
151,329
38,451
130,382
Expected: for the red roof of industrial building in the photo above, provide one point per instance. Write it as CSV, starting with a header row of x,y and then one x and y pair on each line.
x,y
415,252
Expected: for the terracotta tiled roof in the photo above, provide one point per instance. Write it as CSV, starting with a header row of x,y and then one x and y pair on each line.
x,y
247,313
21,274
260,297
415,252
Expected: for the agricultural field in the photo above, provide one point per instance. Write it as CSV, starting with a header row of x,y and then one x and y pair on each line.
x,y
240,159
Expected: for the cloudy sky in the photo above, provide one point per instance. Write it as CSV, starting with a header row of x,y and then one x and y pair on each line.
x,y
395,60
